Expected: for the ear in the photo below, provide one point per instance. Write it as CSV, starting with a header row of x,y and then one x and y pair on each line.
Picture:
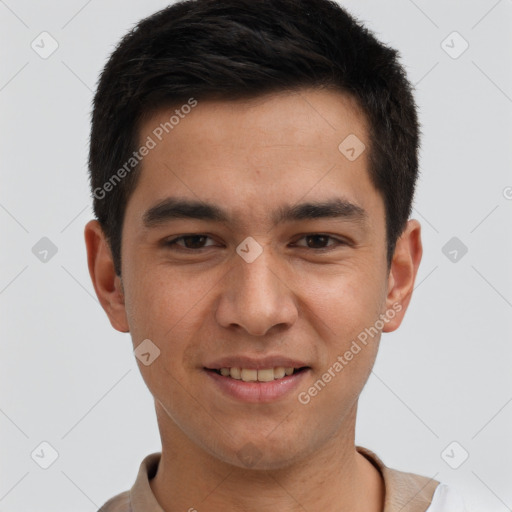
x,y
402,274
107,284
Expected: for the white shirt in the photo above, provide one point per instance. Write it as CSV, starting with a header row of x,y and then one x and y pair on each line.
x,y
446,499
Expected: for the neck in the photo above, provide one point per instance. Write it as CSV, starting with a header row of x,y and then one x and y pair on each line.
x,y
334,478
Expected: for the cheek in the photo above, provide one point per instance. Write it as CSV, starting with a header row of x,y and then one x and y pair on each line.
x,y
168,308
346,309
346,300
331,397
161,310
158,301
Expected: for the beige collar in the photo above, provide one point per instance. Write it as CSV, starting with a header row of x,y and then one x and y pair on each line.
x,y
405,492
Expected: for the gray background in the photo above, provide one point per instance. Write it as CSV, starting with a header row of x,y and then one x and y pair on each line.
x,y
69,379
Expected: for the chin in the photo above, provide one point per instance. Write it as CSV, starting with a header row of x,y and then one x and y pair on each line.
x,y
261,453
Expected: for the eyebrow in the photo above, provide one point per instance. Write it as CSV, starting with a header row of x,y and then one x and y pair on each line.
x,y
178,208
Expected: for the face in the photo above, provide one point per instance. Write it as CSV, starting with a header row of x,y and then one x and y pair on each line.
x,y
252,245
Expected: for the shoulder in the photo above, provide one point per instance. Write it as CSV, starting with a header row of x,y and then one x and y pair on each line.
x,y
119,503
410,492
407,492
140,496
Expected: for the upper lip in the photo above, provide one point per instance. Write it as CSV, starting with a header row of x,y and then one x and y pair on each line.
x,y
254,363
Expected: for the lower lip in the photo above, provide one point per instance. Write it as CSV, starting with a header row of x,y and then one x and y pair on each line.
x,y
257,392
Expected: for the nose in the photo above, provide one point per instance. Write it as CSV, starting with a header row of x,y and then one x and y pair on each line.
x,y
257,297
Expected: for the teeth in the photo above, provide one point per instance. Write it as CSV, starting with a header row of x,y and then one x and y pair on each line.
x,y
266,375
234,372
279,372
252,375
249,375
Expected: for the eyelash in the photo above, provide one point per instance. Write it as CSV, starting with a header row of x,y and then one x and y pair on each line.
x,y
173,242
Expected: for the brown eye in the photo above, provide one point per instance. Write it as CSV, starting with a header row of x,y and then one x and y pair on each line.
x,y
189,241
319,241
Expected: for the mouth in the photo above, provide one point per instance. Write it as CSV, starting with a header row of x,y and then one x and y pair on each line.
x,y
257,375
257,385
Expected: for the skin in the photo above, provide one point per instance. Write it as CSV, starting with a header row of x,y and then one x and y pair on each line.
x,y
251,157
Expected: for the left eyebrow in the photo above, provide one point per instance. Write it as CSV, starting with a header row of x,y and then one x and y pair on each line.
x,y
178,208
334,208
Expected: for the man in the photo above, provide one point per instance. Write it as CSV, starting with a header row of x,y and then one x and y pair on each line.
x,y
253,166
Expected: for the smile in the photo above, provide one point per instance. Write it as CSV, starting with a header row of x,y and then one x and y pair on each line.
x,y
262,385
262,375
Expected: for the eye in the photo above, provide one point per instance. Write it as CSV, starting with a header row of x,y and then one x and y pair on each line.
x,y
190,242
322,240
196,242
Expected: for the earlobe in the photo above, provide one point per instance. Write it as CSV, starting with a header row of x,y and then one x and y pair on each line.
x,y
402,274
106,283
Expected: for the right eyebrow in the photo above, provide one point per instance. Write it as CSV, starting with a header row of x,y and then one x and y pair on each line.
x,y
174,208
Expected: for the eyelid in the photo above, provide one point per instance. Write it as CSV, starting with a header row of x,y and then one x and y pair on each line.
x,y
339,241
173,241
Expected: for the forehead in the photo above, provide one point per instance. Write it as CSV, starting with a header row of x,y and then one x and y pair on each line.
x,y
258,153
302,117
